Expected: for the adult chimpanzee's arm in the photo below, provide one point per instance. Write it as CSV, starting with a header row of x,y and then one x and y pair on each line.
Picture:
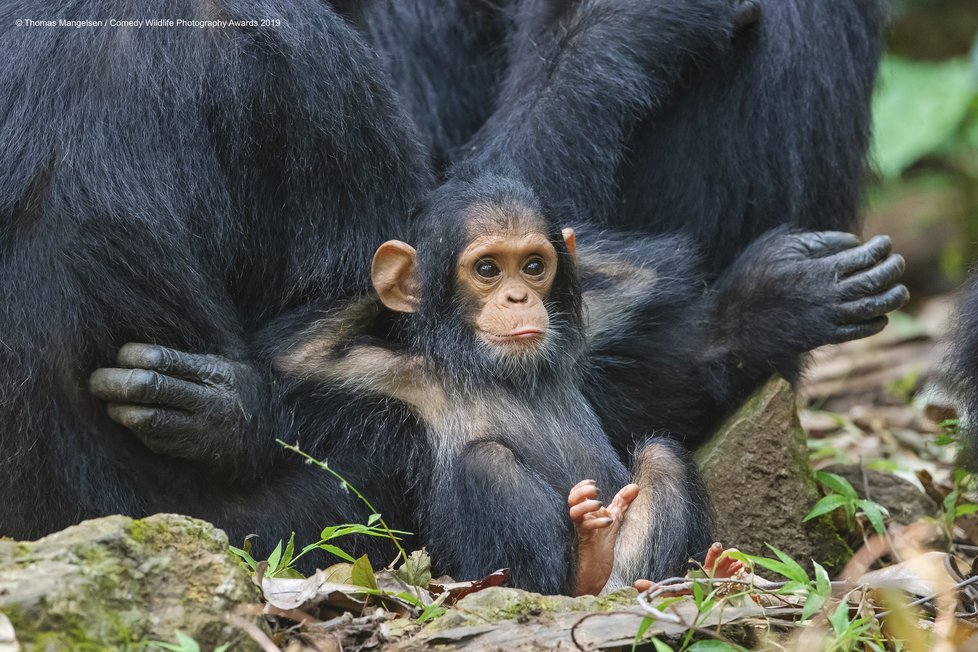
x,y
669,355
279,223
581,74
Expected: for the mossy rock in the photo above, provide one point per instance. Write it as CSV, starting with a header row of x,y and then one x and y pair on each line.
x,y
114,583
758,474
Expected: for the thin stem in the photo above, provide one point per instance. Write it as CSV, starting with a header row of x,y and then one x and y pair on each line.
x,y
373,510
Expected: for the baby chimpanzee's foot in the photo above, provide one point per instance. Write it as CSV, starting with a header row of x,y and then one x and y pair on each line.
x,y
716,565
597,529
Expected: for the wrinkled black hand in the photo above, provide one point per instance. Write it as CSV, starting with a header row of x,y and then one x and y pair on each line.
x,y
854,286
198,407
803,290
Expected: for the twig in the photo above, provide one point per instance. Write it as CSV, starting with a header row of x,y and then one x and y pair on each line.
x,y
926,599
255,633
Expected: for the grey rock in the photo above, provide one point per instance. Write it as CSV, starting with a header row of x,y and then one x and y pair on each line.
x,y
759,476
113,583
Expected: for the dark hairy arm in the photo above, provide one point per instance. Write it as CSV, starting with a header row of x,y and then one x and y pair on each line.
x,y
671,356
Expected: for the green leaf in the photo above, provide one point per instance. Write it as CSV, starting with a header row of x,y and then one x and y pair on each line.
x,y
874,512
222,648
918,106
289,552
795,571
698,595
362,574
372,519
964,509
416,569
840,618
333,550
431,612
823,585
828,504
836,483
950,500
660,646
818,594
327,532
248,559
274,558
813,603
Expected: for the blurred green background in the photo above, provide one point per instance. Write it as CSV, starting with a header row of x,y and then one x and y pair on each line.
x,y
925,150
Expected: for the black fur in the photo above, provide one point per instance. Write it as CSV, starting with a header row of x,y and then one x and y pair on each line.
x,y
737,132
217,192
186,187
956,381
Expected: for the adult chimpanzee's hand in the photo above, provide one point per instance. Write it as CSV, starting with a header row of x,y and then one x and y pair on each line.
x,y
181,404
791,292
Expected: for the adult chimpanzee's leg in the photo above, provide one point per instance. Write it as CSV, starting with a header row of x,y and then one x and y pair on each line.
x,y
581,74
444,60
774,133
184,188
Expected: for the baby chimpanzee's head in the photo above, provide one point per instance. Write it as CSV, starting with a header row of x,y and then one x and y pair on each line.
x,y
491,286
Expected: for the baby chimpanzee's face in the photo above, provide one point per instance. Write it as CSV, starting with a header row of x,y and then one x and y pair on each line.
x,y
507,274
504,276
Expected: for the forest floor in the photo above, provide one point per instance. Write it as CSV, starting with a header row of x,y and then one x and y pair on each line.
x,y
910,584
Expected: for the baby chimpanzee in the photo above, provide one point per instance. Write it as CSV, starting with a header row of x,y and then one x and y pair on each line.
x,y
502,336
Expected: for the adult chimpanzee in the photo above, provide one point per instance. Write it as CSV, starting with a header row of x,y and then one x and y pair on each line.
x,y
956,380
182,186
507,378
209,190
772,131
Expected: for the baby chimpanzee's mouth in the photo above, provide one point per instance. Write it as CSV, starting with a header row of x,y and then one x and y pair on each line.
x,y
519,336
525,333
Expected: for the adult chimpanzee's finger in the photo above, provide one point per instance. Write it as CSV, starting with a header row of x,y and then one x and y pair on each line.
x,y
873,306
848,332
825,243
862,257
142,419
875,279
145,386
210,369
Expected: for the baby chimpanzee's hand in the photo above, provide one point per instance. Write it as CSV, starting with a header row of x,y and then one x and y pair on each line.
x,y
179,404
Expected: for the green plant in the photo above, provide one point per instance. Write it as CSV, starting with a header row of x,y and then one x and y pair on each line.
x,y
949,432
184,644
375,517
841,495
953,507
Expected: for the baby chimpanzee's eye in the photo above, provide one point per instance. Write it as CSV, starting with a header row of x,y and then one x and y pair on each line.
x,y
486,269
533,267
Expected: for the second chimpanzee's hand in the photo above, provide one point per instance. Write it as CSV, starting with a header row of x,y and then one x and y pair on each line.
x,y
797,291
180,404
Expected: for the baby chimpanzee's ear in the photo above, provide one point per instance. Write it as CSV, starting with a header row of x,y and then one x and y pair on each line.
x,y
570,240
394,276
